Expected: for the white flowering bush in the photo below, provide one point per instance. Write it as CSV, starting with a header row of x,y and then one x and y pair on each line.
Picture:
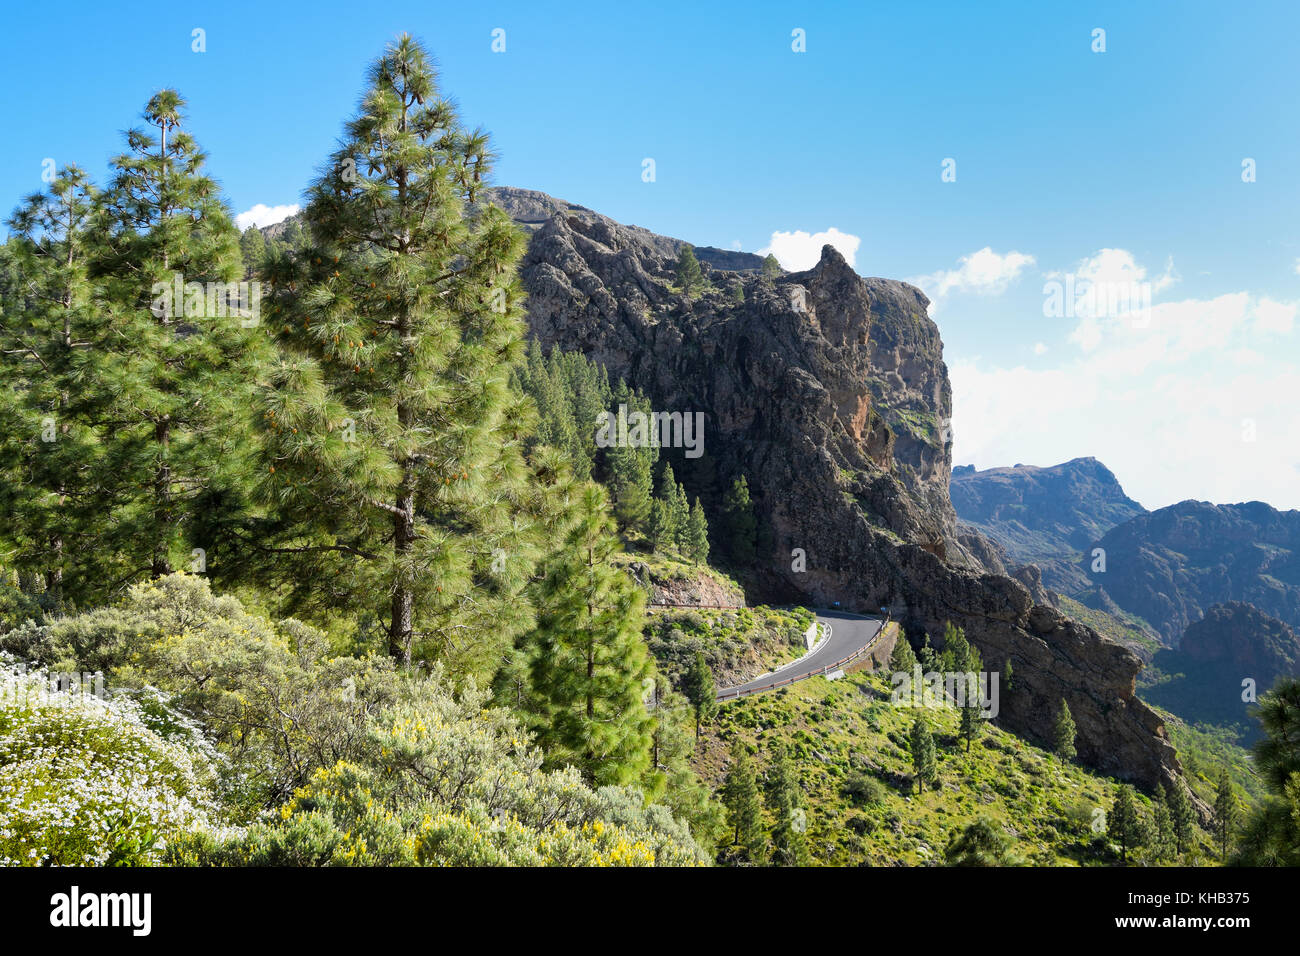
x,y
86,781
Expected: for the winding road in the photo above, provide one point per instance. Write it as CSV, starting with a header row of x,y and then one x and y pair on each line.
x,y
851,635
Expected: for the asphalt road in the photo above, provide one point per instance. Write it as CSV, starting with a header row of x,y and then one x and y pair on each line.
x,y
850,633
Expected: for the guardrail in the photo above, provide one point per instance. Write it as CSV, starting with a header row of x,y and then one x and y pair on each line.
x,y
692,607
732,695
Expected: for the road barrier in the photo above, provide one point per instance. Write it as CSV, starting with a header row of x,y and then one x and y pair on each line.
x,y
693,607
733,694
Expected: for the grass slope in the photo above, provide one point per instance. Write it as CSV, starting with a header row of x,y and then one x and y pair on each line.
x,y
840,731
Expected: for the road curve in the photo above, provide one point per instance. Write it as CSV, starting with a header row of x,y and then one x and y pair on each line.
x,y
851,635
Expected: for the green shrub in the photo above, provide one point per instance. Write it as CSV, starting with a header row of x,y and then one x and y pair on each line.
x,y
864,789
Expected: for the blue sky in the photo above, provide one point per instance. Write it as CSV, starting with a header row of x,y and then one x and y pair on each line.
x,y
1123,166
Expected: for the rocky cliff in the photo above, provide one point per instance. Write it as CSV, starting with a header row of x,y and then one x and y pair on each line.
x,y
828,391
1049,517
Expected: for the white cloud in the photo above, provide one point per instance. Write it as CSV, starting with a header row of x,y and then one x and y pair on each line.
x,y
1164,403
1119,267
983,273
1273,316
1039,348
262,215
797,251
1297,267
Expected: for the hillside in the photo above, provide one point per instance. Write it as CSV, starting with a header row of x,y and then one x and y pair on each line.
x,y
850,746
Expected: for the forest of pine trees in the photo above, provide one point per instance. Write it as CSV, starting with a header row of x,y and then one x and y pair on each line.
x,y
368,444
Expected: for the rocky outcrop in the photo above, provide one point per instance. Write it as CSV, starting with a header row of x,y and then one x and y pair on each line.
x,y
1244,641
1171,565
677,588
828,391
1044,516
1234,647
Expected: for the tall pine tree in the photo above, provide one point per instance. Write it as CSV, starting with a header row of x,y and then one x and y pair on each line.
x,y
1063,733
925,765
167,370
741,797
393,438
785,803
1226,812
48,456
588,658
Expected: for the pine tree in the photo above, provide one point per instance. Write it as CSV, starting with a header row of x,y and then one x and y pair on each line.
x,y
659,529
902,659
631,469
1008,675
785,803
48,454
1182,816
740,795
391,432
1226,812
925,765
1161,840
1125,825
771,267
972,704
956,649
1277,755
168,367
681,790
1270,836
739,523
697,534
252,251
1063,733
680,510
926,656
588,658
690,277
701,691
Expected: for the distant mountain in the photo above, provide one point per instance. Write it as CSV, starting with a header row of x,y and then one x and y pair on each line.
x,y
1169,566
1203,679
1044,516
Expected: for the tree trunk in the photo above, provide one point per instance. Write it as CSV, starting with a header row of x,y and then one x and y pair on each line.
x,y
54,574
162,501
401,629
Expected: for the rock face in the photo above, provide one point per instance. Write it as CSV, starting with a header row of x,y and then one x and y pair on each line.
x,y
1243,640
828,391
1049,517
1234,642
1171,565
